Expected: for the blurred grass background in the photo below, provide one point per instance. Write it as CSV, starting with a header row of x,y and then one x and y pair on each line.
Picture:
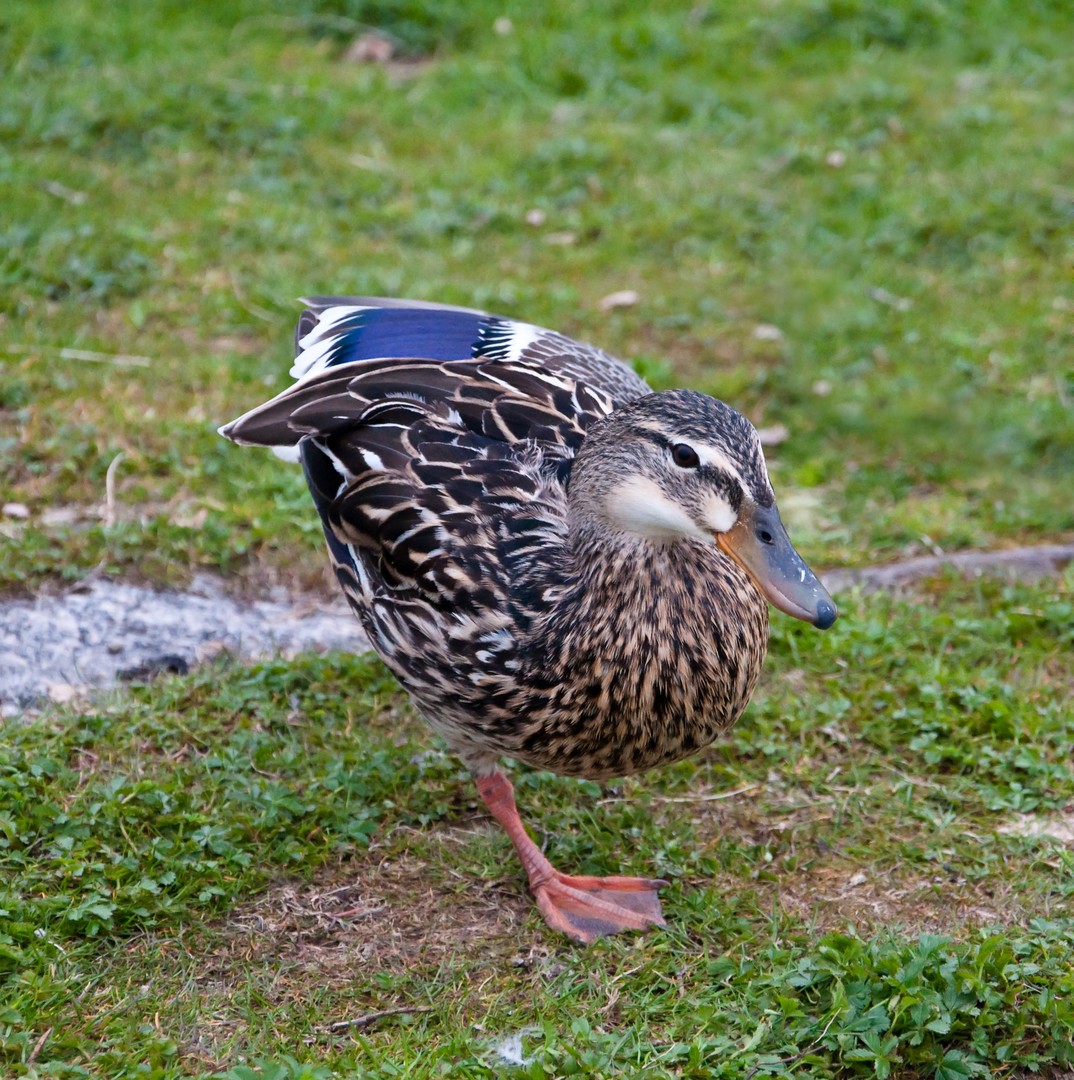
x,y
849,217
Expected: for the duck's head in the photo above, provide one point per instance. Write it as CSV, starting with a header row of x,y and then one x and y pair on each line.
x,y
681,465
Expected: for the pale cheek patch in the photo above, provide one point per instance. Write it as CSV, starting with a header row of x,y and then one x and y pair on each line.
x,y
639,506
718,515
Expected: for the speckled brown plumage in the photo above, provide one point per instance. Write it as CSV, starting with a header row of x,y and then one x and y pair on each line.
x,y
537,556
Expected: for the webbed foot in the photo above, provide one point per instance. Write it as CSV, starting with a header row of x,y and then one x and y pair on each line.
x,y
586,908
583,908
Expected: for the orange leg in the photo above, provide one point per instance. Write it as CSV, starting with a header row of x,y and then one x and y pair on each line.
x,y
583,908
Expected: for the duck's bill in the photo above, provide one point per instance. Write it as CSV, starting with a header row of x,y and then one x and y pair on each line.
x,y
760,545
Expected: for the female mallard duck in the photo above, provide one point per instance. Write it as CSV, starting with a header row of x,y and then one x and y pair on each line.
x,y
558,564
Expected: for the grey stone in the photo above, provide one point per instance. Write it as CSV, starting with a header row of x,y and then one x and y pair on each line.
x,y
89,637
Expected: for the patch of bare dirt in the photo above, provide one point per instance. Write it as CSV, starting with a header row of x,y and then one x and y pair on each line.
x,y
389,913
820,885
386,914
834,896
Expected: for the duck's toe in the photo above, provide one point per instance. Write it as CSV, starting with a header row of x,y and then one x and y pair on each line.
x,y
586,908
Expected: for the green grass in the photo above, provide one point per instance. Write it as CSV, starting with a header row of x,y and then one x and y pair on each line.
x,y
218,867
206,874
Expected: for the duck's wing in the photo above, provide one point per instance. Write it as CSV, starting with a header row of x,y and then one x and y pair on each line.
x,y
437,481
507,401
342,329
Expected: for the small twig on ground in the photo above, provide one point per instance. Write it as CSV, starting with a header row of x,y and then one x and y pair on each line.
x,y
715,797
247,304
67,353
360,1023
110,490
353,912
801,1053
118,1009
287,23
62,191
38,1045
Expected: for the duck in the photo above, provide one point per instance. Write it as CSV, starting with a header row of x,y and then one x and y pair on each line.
x,y
561,566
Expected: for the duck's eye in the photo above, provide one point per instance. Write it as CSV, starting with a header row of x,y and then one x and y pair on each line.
x,y
685,456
